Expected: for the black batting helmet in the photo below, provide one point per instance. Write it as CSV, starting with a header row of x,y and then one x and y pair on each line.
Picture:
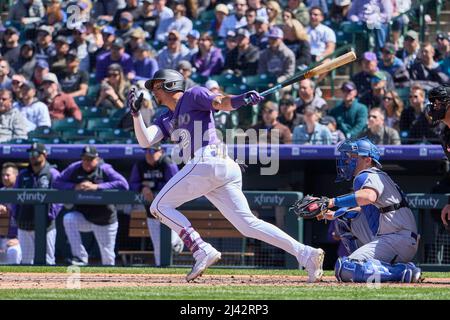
x,y
439,98
173,80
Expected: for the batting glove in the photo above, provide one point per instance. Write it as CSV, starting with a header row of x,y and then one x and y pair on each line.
x,y
135,104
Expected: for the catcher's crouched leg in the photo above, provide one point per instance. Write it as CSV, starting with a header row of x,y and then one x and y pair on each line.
x,y
347,270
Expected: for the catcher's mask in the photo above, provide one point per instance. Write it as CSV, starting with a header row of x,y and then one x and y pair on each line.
x,y
346,163
439,98
173,81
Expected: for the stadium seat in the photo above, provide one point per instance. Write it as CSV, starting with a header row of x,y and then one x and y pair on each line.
x,y
18,141
227,80
49,140
207,15
91,112
43,132
198,78
77,134
93,91
260,81
114,134
236,90
90,141
122,141
84,101
403,93
118,114
61,125
95,123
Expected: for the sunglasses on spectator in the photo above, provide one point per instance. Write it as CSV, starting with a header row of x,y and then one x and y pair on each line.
x,y
9,33
114,74
5,99
388,98
414,97
16,82
172,39
373,116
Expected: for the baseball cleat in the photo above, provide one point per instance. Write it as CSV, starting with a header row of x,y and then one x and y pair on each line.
x,y
203,262
314,266
416,275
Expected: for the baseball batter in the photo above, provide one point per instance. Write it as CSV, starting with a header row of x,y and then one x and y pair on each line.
x,y
395,242
209,172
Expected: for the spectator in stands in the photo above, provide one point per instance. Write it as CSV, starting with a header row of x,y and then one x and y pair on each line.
x,y
116,55
105,8
5,81
296,39
17,81
393,107
45,48
242,60
322,4
113,91
398,22
393,65
11,245
289,117
361,11
260,39
126,25
336,135
34,111
41,70
130,7
146,18
274,11
414,124
185,68
108,35
10,48
137,37
250,16
58,62
311,131
236,20
178,22
374,98
230,42
12,122
144,64
426,70
308,96
377,131
339,12
192,43
91,174
162,10
442,49
147,110
411,48
258,7
369,66
74,81
220,14
209,59
298,8
148,177
269,125
83,47
40,174
26,12
60,104
27,60
321,38
277,60
55,16
170,56
350,115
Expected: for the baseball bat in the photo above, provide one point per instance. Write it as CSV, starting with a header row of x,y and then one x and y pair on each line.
x,y
320,69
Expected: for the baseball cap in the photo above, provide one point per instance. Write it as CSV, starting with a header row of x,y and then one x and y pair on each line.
x,y
46,29
138,33
72,54
327,120
43,64
370,56
90,152
389,48
28,85
118,43
222,8
378,76
144,46
194,34
212,84
109,30
287,100
276,33
12,29
185,65
28,43
348,86
50,77
231,34
154,147
342,3
126,16
61,39
148,1
412,34
261,19
37,147
175,33
309,109
243,32
270,105
442,36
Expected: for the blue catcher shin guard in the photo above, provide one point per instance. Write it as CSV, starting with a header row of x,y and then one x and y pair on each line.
x,y
347,270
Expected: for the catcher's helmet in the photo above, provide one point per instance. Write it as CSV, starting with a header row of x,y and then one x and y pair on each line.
x,y
173,80
439,98
346,165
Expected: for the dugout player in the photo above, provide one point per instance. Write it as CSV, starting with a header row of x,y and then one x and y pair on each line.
x,y
40,174
438,111
396,241
209,171
148,177
91,174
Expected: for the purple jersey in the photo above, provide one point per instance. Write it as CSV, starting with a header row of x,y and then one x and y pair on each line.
x,y
192,123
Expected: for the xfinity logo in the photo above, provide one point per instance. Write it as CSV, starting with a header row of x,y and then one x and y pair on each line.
x,y
269,200
31,196
423,202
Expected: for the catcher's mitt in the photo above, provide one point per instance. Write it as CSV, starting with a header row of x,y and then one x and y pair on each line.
x,y
310,207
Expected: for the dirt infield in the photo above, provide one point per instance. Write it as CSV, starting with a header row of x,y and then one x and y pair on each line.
x,y
99,280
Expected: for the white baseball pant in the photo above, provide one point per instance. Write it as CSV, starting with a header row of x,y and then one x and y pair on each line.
x,y
75,222
219,179
26,241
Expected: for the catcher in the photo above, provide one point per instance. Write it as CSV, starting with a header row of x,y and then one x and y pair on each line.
x,y
438,111
386,246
